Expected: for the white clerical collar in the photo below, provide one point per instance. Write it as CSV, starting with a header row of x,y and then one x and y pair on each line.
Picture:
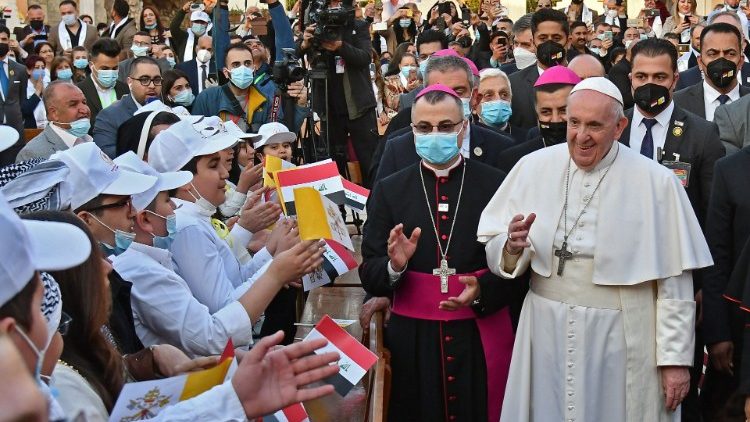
x,y
443,172
710,94
162,256
661,118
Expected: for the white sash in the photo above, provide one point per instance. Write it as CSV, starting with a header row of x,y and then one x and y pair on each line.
x,y
114,28
190,43
64,37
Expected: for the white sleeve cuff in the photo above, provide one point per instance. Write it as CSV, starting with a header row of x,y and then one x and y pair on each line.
x,y
675,321
241,235
495,251
394,275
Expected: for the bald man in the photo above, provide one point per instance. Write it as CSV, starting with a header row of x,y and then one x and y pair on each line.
x,y
69,122
586,66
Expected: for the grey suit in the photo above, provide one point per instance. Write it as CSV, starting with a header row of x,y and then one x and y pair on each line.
x,y
10,108
732,120
109,120
522,85
42,146
692,100
123,69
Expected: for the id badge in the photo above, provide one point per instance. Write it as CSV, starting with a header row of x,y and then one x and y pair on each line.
x,y
680,169
340,65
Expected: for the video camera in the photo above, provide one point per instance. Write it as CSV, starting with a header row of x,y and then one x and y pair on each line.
x,y
287,70
330,23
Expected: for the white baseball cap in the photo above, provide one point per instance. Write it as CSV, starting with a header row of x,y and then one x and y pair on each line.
x,y
199,15
8,137
36,245
274,133
179,111
231,131
165,181
93,173
174,147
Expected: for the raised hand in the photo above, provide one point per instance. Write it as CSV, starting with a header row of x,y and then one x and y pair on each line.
x,y
283,237
249,177
468,295
518,233
302,259
257,215
401,248
284,372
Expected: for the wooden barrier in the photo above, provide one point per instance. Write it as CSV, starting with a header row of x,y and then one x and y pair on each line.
x,y
29,134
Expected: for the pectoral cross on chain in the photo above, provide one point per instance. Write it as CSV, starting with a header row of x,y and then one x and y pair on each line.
x,y
563,254
444,272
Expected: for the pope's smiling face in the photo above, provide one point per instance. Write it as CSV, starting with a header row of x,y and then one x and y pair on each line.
x,y
594,125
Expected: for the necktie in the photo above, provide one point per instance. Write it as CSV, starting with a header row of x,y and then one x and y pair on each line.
x,y
4,79
723,98
647,146
204,76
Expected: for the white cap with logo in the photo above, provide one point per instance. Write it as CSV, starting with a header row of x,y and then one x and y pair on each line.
x,y
274,133
165,181
174,147
93,173
35,246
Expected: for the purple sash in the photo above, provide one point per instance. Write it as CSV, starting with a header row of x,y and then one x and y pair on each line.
x,y
418,296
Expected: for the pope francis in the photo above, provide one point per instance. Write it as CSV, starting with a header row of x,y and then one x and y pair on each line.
x,y
606,331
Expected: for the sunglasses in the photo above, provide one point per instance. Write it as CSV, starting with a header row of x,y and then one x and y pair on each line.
x,y
64,326
115,205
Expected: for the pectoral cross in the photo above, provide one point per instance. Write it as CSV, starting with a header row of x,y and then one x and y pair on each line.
x,y
563,254
444,272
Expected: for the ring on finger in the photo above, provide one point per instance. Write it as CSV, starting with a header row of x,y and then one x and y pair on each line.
x,y
510,236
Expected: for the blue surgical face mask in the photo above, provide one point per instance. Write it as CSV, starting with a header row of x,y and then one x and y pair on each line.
x,y
37,74
467,107
79,128
496,113
171,61
122,240
405,70
198,29
139,50
150,27
164,242
107,78
184,98
65,74
241,77
404,23
436,148
423,69
80,63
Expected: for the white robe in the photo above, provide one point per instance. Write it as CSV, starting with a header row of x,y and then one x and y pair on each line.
x,y
588,344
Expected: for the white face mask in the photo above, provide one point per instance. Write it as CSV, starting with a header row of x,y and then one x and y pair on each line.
x,y
203,55
205,208
524,57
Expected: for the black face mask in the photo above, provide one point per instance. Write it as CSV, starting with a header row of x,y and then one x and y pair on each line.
x,y
651,98
550,53
36,24
721,72
553,133
4,48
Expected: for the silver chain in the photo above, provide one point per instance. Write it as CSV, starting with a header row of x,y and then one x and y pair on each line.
x,y
567,233
455,214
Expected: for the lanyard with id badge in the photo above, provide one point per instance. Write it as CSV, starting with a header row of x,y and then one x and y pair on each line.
x,y
680,169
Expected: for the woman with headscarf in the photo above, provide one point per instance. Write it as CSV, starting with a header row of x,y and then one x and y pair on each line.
x,y
137,132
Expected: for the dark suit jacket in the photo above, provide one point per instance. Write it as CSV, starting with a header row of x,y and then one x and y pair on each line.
x,y
727,232
509,68
522,85
109,120
618,74
485,146
191,70
510,156
693,76
10,108
22,33
691,98
92,96
699,145
516,133
123,69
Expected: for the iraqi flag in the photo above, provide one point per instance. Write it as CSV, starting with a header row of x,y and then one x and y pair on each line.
x,y
324,178
271,165
337,261
356,195
355,361
293,413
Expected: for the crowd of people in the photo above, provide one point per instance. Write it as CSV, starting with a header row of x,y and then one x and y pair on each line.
x,y
556,227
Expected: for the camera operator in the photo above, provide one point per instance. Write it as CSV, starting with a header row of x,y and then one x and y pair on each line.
x,y
351,101
251,98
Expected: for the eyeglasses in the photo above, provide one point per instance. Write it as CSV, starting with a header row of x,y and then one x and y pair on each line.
x,y
64,326
119,204
442,127
146,81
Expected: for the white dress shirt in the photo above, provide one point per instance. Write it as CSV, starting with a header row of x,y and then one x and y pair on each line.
x,y
658,131
69,139
165,311
206,262
466,145
107,96
711,98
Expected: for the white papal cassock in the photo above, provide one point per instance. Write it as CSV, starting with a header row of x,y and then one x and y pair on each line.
x,y
589,342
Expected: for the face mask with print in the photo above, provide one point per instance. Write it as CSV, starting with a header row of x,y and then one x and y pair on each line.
x,y
205,208
80,63
123,240
241,77
164,242
184,98
65,74
436,148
